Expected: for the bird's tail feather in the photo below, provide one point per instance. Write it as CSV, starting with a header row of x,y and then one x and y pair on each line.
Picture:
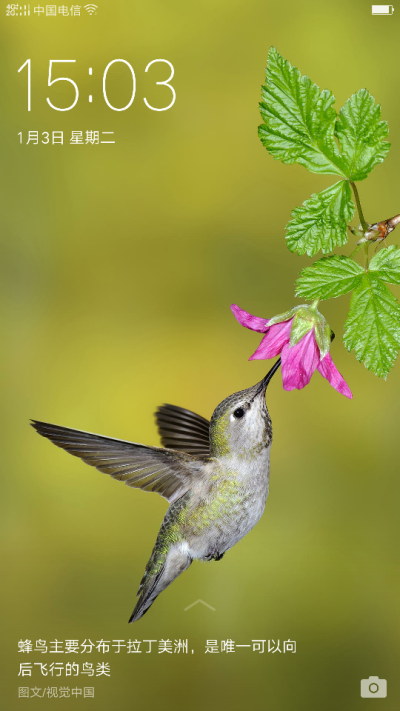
x,y
155,581
146,598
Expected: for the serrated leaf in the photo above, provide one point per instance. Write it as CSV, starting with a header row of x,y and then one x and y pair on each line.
x,y
329,277
321,221
386,264
372,328
361,134
299,119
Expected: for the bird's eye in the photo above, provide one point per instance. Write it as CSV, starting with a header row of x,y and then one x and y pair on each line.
x,y
239,412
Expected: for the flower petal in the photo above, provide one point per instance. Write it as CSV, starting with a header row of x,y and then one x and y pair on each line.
x,y
254,323
328,370
273,342
299,362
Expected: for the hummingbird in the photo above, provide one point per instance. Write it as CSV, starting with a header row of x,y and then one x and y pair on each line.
x,y
214,475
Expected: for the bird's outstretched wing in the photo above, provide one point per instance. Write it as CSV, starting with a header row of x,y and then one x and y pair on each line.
x,y
164,471
183,430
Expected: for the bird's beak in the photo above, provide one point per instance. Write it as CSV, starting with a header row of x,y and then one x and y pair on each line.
x,y
262,386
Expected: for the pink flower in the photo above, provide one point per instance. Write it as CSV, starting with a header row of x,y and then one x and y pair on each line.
x,y
300,336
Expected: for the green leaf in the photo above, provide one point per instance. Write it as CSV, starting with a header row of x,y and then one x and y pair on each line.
x,y
386,264
372,327
301,124
299,119
360,133
329,277
321,221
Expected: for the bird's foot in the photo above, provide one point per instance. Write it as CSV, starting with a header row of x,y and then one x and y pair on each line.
x,y
214,555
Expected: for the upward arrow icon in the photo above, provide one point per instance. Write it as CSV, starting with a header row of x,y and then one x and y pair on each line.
x,y
202,602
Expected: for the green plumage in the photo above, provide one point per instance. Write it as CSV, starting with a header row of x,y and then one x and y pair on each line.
x,y
171,532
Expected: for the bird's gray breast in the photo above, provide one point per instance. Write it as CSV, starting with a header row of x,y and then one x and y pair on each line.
x,y
254,482
231,506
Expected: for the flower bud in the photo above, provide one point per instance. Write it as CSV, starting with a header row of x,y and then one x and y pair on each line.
x,y
309,317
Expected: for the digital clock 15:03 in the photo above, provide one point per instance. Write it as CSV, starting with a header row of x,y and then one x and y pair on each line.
x,y
114,108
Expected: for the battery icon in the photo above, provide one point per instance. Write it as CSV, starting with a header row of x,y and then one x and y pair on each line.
x,y
382,9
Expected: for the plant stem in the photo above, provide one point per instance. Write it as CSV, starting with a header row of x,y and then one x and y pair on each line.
x,y
355,251
366,247
359,208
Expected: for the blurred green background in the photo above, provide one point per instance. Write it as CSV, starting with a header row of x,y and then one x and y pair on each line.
x,y
119,264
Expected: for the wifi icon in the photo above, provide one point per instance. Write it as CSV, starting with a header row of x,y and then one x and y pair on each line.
x,y
91,9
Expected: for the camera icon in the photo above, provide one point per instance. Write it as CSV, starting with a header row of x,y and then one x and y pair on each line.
x,y
373,688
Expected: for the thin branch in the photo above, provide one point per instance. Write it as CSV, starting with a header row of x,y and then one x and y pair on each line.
x,y
359,208
366,247
355,251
